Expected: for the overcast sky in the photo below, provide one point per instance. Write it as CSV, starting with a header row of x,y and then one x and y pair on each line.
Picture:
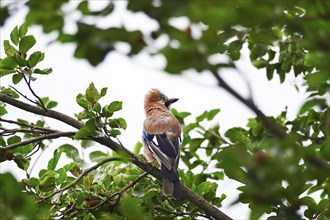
x,y
129,79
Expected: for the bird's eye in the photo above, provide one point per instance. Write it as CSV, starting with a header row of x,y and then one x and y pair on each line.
x,y
162,98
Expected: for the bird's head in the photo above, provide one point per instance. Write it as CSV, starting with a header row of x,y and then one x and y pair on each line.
x,y
156,97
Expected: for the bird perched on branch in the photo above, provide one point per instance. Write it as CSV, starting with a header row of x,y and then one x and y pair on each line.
x,y
161,138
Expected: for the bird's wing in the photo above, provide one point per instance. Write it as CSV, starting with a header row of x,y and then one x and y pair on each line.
x,y
157,151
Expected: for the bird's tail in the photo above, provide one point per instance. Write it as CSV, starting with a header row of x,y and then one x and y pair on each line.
x,y
172,188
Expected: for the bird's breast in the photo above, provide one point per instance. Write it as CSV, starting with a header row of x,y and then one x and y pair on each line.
x,y
162,123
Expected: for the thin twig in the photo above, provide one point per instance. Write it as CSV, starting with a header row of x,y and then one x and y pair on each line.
x,y
31,126
6,131
119,193
88,170
24,96
37,139
28,83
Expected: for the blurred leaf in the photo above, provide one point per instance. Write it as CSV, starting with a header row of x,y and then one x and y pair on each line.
x,y
14,139
26,43
115,106
137,148
53,162
310,104
48,181
92,94
3,111
35,58
9,49
131,209
14,35
69,150
43,71
17,78
22,30
81,133
22,162
98,156
15,203
9,63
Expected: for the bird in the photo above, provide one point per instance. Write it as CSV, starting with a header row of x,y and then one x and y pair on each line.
x,y
161,139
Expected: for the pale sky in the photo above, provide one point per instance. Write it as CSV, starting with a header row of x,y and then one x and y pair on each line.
x,y
129,79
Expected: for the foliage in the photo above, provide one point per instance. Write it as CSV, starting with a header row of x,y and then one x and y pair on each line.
x,y
280,174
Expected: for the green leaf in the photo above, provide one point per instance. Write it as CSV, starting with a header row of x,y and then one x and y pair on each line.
x,y
51,104
21,62
33,182
44,71
22,150
82,101
62,176
234,49
115,106
104,91
218,175
211,114
195,143
259,63
12,193
3,111
98,156
97,107
69,150
17,78
14,139
92,94
9,49
270,71
22,162
180,115
22,30
48,180
2,142
26,43
83,132
114,132
9,92
53,162
118,123
35,58
14,35
137,148
131,209
201,117
9,63
310,104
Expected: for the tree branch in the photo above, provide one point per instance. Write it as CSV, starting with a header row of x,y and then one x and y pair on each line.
x,y
40,138
30,126
271,126
138,161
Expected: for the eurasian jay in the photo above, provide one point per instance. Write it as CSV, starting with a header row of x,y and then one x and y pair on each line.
x,y
161,139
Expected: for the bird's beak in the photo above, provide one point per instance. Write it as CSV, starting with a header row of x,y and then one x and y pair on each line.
x,y
170,101
173,100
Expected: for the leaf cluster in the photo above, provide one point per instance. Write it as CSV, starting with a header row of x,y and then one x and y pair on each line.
x,y
98,118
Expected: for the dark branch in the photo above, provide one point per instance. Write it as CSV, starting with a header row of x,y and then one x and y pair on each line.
x,y
37,139
270,125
